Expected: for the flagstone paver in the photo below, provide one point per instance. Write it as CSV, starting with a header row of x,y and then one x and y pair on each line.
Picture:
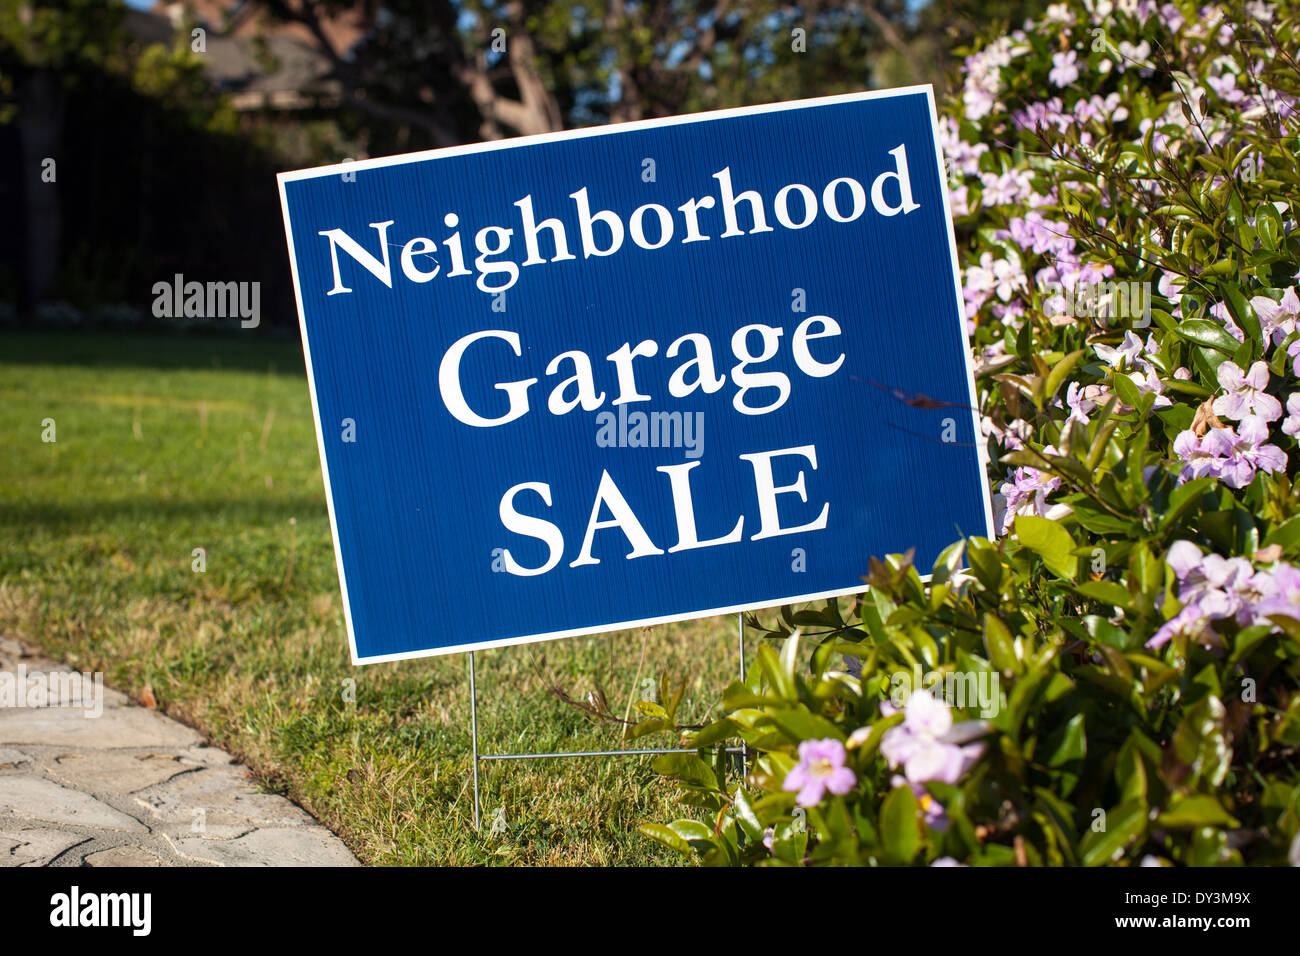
x,y
118,785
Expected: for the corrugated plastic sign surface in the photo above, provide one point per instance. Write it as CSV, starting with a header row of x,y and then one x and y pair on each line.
x,y
604,378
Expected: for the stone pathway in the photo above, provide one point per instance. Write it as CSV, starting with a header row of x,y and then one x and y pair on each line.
x,y
130,787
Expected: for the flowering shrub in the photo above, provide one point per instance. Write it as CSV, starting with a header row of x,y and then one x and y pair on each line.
x,y
1116,678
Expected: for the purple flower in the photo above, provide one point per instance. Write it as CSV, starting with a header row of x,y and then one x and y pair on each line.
x,y
1226,87
1170,287
958,201
962,156
1277,320
1292,424
1038,234
1126,356
1184,558
928,745
1285,598
1040,116
1064,69
1008,189
932,811
820,768
1013,436
1247,454
1255,592
1079,404
979,101
1213,588
1245,393
1231,457
1198,459
1148,381
1026,494
1191,621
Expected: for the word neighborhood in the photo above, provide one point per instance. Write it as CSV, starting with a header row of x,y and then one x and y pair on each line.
x,y
844,200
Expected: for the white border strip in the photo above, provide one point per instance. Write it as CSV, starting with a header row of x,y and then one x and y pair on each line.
x,y
405,158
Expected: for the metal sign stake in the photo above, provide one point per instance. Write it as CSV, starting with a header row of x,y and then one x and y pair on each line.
x,y
473,727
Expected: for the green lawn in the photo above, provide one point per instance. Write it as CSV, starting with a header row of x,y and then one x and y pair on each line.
x,y
167,443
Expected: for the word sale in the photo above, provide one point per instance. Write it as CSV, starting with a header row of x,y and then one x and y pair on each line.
x,y
622,517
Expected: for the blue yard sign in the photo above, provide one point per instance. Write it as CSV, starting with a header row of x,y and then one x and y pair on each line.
x,y
613,377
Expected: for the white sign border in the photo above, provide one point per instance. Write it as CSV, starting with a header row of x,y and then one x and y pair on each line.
x,y
404,158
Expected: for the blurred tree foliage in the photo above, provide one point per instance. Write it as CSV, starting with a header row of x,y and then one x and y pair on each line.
x,y
436,72
141,135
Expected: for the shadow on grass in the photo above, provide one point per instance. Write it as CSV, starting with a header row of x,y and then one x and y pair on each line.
x,y
97,348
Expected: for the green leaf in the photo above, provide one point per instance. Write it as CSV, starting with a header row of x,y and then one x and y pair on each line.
x,y
739,696
687,768
1049,541
1131,772
692,830
1104,632
1098,447
1268,224
645,728
1244,316
1068,744
1124,824
1287,534
1000,646
799,725
1059,372
790,658
658,831
1209,334
899,828
1199,810
947,563
1183,498
648,708
773,670
1200,742
1187,388
746,818
986,563
1100,521
1143,568
1126,389
1108,592
716,732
